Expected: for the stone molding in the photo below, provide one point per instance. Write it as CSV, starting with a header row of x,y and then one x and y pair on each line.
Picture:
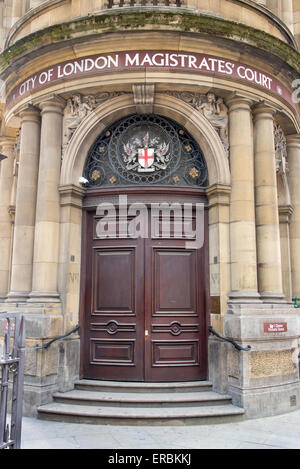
x,y
143,96
218,194
168,106
71,195
285,213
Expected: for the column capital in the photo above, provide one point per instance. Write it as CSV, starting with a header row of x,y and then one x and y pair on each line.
x,y
285,213
237,102
293,140
53,103
71,195
29,113
7,142
263,111
218,194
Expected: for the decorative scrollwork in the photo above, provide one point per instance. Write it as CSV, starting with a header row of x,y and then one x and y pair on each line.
x,y
176,328
212,107
112,327
78,108
280,149
13,368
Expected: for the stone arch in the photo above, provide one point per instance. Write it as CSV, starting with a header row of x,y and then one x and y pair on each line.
x,y
72,193
110,111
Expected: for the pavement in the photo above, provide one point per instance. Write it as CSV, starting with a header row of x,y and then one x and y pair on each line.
x,y
279,432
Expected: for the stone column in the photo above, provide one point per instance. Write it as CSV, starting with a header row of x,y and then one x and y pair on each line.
x,y
6,182
2,26
46,248
242,208
293,149
36,3
17,10
267,217
287,13
21,276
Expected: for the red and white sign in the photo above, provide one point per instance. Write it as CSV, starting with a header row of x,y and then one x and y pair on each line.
x,y
275,327
146,157
154,59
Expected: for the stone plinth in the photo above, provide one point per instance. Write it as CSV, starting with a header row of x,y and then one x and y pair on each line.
x,y
265,380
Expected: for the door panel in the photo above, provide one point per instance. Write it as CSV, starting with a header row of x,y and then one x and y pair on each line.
x,y
175,306
174,281
114,280
114,309
144,308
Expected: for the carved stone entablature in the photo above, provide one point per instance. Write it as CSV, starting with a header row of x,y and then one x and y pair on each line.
x,y
280,149
212,107
78,108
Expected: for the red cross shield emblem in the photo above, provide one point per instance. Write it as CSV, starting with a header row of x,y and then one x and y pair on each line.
x,y
146,157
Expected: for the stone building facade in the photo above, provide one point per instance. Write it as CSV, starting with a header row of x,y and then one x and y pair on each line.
x,y
216,82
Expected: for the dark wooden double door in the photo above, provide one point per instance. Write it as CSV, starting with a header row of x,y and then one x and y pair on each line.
x,y
144,308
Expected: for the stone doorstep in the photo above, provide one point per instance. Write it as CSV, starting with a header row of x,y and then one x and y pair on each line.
x,y
123,399
192,403
137,416
116,386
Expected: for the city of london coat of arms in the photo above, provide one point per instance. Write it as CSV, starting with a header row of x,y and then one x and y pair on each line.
x,y
146,154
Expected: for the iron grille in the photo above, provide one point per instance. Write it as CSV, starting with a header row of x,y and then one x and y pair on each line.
x,y
117,156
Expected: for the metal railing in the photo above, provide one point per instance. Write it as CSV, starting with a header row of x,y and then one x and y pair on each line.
x,y
61,337
12,362
225,339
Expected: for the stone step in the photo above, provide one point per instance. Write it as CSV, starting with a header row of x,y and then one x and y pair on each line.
x,y
140,416
132,399
121,387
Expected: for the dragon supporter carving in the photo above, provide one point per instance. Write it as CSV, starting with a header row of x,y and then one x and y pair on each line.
x,y
78,108
212,107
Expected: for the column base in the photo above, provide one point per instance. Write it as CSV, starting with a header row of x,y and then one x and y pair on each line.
x,y
272,297
17,297
246,297
44,297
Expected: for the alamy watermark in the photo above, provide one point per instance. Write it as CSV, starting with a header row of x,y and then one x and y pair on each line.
x,y
156,220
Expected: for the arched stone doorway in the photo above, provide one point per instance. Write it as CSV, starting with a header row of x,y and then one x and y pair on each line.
x,y
144,289
215,158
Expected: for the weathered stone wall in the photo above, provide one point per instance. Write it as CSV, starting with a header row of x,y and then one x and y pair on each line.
x,y
253,200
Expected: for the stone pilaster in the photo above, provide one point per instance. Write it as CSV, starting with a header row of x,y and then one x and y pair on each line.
x,y
71,198
293,149
47,226
267,217
219,267
242,207
21,275
285,214
6,179
219,246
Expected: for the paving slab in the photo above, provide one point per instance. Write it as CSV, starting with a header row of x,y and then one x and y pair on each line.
x,y
279,432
